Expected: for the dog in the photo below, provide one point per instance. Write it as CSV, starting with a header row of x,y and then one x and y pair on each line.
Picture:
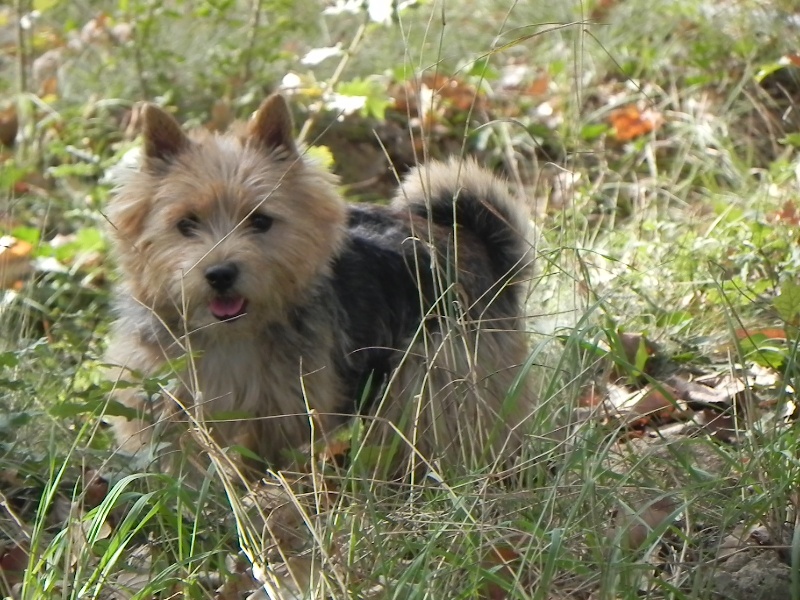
x,y
279,312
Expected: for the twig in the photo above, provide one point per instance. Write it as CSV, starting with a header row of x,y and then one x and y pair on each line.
x,y
137,48
22,80
334,79
22,51
255,21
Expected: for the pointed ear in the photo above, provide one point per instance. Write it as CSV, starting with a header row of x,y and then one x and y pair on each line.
x,y
271,127
163,137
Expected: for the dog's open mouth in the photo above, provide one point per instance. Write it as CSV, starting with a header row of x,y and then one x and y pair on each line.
x,y
228,308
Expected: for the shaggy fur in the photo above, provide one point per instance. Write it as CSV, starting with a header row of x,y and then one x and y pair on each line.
x,y
292,308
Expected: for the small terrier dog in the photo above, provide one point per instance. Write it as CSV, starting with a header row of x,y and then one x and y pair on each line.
x,y
280,312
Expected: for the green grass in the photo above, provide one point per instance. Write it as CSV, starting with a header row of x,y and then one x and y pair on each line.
x,y
677,235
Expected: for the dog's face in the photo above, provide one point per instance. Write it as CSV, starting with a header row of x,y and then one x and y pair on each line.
x,y
227,230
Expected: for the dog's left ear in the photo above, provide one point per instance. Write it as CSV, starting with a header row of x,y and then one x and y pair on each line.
x,y
272,128
163,137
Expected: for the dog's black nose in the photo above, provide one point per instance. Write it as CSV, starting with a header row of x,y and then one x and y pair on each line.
x,y
222,277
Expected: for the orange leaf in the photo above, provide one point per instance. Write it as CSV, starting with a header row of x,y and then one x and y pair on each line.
x,y
590,397
630,123
13,562
8,125
654,406
15,260
501,560
787,214
539,86
335,451
771,333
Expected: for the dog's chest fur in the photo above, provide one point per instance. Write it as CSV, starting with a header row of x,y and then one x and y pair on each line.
x,y
257,390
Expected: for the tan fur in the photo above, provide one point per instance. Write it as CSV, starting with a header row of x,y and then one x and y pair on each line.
x,y
224,179
276,365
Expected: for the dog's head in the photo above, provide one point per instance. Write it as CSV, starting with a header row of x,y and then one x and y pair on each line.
x,y
224,229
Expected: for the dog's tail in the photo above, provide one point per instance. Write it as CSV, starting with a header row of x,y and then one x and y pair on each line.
x,y
460,192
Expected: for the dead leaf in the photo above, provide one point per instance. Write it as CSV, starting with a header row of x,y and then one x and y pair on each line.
x,y
336,452
632,525
435,97
13,562
139,572
221,116
95,489
601,9
49,87
772,333
8,125
591,396
15,260
630,123
236,586
539,86
721,426
730,388
637,352
788,214
95,31
658,405
744,536
503,561
272,509
697,395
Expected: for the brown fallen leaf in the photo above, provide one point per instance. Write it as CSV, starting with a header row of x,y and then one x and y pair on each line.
x,y
743,536
629,122
503,561
13,562
591,396
788,214
95,489
656,405
15,260
601,9
636,351
772,333
721,426
8,125
632,525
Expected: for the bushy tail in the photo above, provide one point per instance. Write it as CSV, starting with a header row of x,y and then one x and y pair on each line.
x,y
463,192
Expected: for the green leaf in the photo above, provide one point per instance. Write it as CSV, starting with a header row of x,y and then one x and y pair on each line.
x,y
44,5
322,156
482,69
791,139
27,234
65,410
11,174
768,69
73,170
674,318
376,97
10,422
8,359
787,304
641,356
593,131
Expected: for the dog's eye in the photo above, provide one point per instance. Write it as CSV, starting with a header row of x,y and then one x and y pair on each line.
x,y
188,226
260,223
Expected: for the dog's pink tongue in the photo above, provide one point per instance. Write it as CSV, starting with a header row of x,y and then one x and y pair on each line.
x,y
225,308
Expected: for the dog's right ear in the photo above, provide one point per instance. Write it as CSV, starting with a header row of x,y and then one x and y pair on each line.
x,y
163,137
271,127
